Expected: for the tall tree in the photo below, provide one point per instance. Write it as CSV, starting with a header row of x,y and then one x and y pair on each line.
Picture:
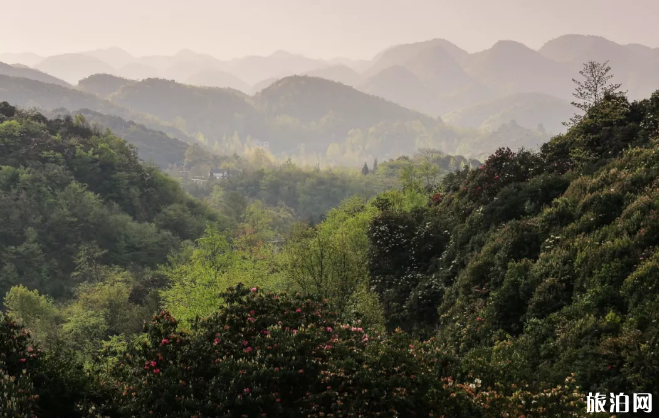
x,y
365,169
375,165
592,89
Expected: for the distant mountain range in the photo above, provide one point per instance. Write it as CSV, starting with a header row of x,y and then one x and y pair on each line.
x,y
435,77
392,103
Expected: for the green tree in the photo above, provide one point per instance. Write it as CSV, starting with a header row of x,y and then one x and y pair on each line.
x,y
365,170
592,89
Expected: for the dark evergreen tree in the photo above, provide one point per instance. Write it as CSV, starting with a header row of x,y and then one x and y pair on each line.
x,y
365,170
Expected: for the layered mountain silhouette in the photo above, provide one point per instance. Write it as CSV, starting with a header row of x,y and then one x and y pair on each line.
x,y
74,67
290,99
401,54
27,58
339,73
635,66
310,99
529,110
511,67
279,64
115,57
400,85
218,78
18,70
28,93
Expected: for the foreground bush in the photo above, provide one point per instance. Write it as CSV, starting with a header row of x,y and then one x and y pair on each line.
x,y
264,355
273,355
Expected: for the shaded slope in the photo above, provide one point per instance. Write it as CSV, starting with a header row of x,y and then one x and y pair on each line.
x,y
311,99
213,111
102,85
152,146
544,264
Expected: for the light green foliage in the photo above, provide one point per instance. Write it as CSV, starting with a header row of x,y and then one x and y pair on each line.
x,y
100,311
36,312
329,260
76,189
200,274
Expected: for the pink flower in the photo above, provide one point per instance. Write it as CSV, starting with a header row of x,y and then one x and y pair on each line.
x,y
301,371
248,350
328,329
22,360
216,341
246,390
153,364
294,331
253,289
298,310
245,343
30,349
164,341
156,371
251,312
250,319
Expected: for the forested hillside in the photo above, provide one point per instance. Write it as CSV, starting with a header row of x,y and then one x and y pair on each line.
x,y
152,145
72,195
507,289
538,265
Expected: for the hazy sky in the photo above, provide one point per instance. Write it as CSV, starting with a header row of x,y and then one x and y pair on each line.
x,y
317,28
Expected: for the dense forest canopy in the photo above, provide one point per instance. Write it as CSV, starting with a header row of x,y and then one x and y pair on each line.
x,y
70,192
431,284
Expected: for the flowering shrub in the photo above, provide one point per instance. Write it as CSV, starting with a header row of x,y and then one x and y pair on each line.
x,y
38,384
17,399
17,396
277,356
